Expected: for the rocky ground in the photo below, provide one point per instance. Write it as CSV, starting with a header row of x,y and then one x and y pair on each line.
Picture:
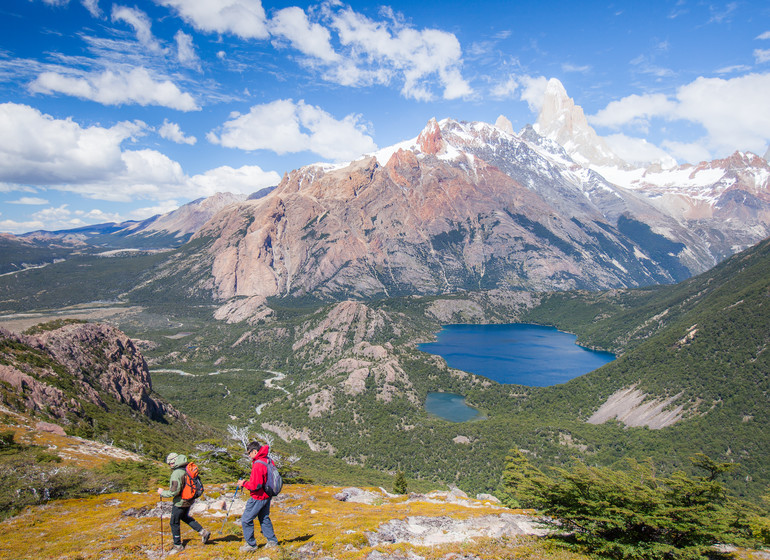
x,y
311,522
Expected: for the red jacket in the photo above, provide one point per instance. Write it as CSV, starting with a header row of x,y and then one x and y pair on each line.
x,y
258,475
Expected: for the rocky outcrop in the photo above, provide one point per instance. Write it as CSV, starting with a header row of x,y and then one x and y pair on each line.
x,y
56,371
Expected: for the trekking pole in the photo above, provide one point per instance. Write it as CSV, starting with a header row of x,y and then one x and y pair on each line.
x,y
162,552
229,510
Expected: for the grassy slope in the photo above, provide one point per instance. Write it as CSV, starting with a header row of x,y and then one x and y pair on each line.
x,y
723,365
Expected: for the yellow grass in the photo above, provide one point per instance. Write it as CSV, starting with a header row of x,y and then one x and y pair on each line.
x,y
93,528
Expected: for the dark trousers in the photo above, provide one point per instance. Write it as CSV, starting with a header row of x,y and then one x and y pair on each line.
x,y
179,514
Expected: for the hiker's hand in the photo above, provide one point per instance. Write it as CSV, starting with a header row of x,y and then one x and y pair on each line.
x,y
160,490
240,483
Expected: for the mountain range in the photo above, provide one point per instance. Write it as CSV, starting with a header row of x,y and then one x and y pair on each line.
x,y
462,206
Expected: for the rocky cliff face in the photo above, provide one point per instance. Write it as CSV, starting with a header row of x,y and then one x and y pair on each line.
x,y
56,372
466,206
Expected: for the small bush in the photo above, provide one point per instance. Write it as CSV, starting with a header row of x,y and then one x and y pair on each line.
x,y
634,513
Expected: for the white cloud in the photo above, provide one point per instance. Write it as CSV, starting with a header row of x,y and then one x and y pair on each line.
x,y
574,68
171,131
185,50
765,35
93,7
638,150
31,200
150,211
693,152
36,149
310,39
506,89
16,227
733,69
533,91
141,24
762,55
386,51
117,88
733,112
284,126
244,18
635,110
244,180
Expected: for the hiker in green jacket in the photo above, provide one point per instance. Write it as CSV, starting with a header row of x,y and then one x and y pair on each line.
x,y
180,510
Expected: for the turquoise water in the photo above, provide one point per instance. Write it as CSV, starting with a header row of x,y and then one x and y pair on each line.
x,y
523,354
450,406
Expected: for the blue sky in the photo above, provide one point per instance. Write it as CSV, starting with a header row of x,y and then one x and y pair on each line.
x,y
112,111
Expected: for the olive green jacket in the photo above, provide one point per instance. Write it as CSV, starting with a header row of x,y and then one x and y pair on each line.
x,y
176,483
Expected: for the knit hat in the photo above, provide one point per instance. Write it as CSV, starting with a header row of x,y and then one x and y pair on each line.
x,y
171,459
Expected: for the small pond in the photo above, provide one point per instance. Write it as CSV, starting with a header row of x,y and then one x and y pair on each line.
x,y
450,406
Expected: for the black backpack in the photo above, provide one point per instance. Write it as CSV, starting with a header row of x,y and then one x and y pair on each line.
x,y
273,481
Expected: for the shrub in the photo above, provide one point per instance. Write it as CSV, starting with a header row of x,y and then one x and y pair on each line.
x,y
634,513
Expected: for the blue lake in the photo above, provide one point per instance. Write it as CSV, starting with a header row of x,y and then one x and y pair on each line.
x,y
523,354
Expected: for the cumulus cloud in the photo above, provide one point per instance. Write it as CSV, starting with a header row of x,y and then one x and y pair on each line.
x,y
311,39
733,112
36,149
634,109
244,18
286,127
396,51
119,87
171,131
244,180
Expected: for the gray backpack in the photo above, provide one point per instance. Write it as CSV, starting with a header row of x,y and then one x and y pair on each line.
x,y
273,480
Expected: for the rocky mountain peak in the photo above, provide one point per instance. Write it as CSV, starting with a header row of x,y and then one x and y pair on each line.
x,y
430,141
504,124
563,121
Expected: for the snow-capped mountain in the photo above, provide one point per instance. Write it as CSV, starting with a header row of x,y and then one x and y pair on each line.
x,y
726,201
461,206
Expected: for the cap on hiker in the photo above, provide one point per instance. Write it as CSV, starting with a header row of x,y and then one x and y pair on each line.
x,y
171,459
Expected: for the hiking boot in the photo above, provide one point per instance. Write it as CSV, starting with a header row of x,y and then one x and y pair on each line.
x,y
176,549
248,548
270,544
205,534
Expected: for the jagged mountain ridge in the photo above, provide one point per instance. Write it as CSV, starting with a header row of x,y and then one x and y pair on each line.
x,y
464,206
725,202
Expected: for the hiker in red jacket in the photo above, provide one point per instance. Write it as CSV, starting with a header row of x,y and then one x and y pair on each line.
x,y
258,505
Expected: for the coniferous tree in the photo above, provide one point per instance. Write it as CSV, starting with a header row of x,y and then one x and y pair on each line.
x,y
399,484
